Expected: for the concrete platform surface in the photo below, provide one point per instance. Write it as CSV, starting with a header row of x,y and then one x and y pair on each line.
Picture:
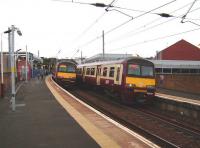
x,y
39,121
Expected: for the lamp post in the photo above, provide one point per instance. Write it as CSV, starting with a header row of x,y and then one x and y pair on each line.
x,y
26,65
12,61
2,83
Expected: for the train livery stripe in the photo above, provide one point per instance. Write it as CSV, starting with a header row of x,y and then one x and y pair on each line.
x,y
140,82
102,139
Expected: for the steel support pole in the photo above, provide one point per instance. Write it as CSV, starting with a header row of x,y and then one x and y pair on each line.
x,y
26,65
103,45
12,60
2,83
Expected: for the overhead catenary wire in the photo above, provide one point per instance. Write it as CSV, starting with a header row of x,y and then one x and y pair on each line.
x,y
133,18
184,16
76,2
90,26
155,39
111,30
95,22
138,30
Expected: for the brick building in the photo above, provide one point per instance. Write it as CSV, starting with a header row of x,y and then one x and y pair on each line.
x,y
178,67
181,50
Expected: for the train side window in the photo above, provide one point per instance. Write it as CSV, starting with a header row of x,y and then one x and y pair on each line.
x,y
118,72
99,71
105,71
112,71
92,71
88,71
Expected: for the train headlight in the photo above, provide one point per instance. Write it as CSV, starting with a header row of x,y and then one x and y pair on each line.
x,y
130,85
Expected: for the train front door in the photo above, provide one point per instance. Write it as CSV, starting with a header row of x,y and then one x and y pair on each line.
x,y
98,75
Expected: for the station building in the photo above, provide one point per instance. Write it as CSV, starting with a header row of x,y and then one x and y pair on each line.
x,y
178,67
178,75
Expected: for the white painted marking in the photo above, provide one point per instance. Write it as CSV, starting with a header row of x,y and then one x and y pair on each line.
x,y
179,99
146,141
20,105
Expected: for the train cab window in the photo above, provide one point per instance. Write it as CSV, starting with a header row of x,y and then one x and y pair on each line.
x,y
133,69
70,69
112,71
105,71
88,71
147,71
92,71
62,68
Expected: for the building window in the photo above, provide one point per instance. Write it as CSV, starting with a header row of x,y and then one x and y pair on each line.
x,y
158,70
194,71
167,70
176,70
185,71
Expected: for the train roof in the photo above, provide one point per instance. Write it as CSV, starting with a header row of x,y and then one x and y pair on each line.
x,y
66,61
111,62
176,64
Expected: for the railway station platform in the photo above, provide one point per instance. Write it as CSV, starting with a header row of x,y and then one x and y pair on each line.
x,y
192,99
39,121
47,117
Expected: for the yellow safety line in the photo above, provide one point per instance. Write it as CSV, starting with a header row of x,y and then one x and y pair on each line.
x,y
102,139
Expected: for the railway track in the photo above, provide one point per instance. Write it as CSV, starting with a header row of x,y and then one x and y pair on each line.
x,y
158,129
158,140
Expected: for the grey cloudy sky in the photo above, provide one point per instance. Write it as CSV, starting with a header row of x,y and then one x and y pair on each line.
x,y
50,26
